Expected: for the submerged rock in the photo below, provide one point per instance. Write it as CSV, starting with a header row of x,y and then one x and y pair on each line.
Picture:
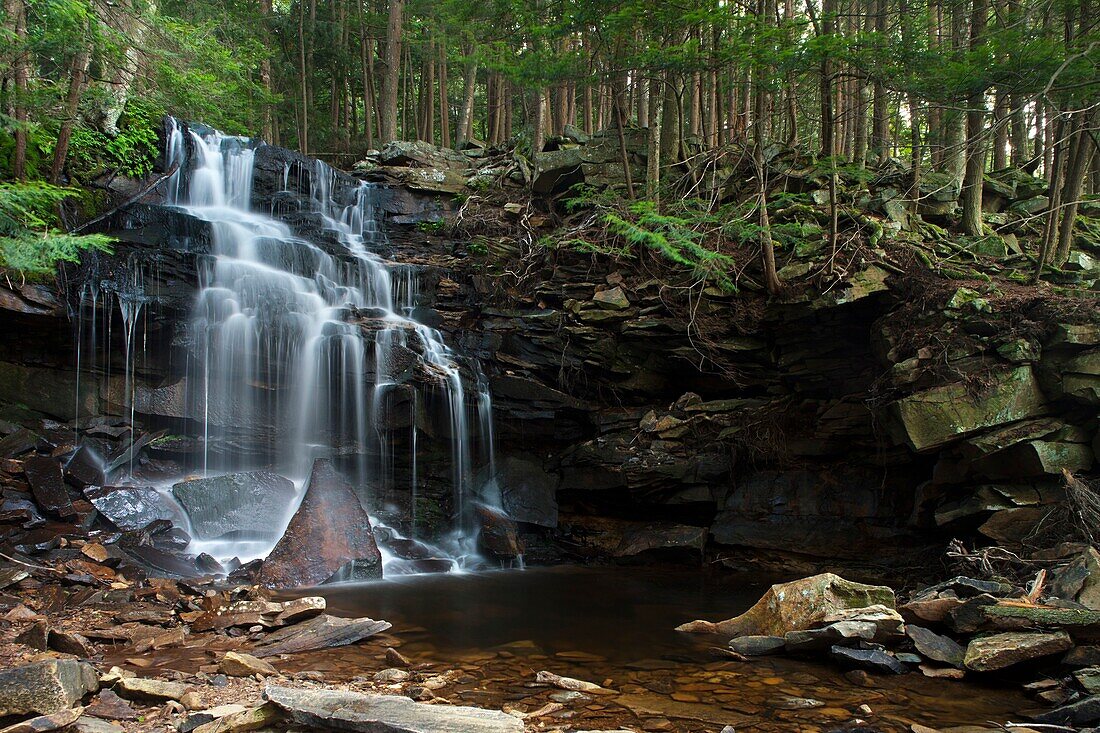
x,y
353,711
757,646
252,503
329,531
45,687
797,606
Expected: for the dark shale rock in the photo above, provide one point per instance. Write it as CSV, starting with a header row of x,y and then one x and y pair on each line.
x,y
876,660
936,647
1082,712
329,530
528,491
756,646
48,484
252,503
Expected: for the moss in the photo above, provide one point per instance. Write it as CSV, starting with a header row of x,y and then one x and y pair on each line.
x,y
1046,616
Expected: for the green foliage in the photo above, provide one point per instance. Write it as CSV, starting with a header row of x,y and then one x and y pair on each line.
x,y
434,226
674,239
132,152
29,242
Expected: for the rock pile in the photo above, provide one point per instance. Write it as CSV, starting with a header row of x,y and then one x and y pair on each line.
x,y
962,626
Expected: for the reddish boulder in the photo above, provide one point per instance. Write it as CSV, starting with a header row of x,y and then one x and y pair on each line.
x,y
330,534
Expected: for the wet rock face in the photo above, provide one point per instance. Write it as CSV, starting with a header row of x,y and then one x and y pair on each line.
x,y
250,504
132,507
329,531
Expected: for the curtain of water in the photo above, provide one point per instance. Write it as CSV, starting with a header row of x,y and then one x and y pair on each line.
x,y
282,360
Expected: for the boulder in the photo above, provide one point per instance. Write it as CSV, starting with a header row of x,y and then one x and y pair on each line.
x,y
353,711
988,653
202,717
46,687
239,664
557,170
842,633
263,717
797,606
132,508
887,622
938,416
417,153
329,532
498,534
251,504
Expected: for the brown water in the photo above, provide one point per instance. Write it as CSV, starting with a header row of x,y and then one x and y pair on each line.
x,y
490,633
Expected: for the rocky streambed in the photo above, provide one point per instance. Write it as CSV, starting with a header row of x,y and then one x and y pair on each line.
x,y
184,655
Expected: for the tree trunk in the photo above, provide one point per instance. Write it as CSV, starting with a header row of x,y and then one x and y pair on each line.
x,y
388,102
267,127
366,57
79,70
656,116
303,123
975,135
1080,156
759,123
465,129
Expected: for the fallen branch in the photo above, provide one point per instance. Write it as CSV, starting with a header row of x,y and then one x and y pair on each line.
x,y
171,171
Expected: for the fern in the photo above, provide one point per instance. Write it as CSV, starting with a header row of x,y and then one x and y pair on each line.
x,y
29,242
673,238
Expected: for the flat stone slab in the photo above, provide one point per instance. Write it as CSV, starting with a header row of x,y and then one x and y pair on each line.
x,y
936,647
319,632
369,713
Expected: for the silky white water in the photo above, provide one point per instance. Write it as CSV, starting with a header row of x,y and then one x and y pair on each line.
x,y
297,349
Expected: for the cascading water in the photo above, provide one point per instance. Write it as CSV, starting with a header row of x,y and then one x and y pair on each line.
x,y
298,349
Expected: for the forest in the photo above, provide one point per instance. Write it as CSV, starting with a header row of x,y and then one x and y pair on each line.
x,y
953,87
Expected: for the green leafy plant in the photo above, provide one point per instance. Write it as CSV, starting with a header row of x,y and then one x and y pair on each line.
x,y
674,239
132,152
29,242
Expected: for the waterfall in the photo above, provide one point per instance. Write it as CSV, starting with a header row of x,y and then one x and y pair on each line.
x,y
299,348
